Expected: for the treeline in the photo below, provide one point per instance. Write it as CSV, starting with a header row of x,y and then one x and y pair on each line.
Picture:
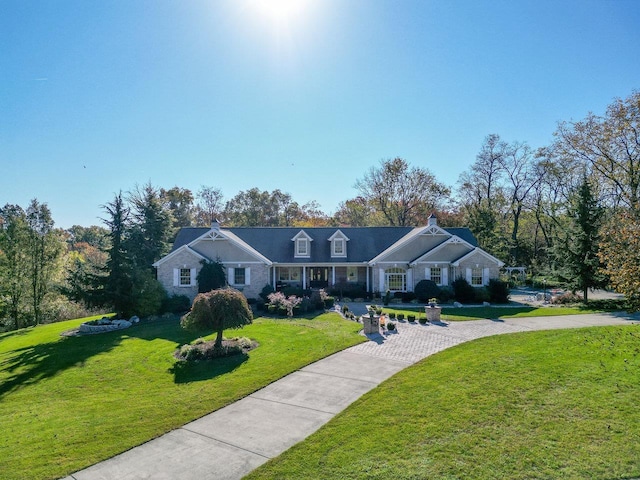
x,y
568,211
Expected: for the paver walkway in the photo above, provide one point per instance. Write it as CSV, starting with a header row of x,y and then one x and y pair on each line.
x,y
229,443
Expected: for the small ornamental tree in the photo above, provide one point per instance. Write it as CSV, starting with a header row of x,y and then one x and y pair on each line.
x,y
218,310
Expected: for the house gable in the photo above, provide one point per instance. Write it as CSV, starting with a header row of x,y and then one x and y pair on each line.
x,y
447,251
219,244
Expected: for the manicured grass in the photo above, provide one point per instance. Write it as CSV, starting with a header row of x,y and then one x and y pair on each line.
x,y
476,313
69,402
551,404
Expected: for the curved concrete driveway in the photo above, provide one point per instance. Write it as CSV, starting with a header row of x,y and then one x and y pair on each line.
x,y
232,441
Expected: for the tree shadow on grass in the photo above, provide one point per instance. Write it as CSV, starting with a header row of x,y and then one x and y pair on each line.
x,y
29,365
186,372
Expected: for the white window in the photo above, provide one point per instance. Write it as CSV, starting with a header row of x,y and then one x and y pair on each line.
x,y
338,247
302,247
185,277
238,276
436,275
396,279
476,277
289,274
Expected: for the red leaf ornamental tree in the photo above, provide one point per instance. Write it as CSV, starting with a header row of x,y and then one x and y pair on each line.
x,y
218,310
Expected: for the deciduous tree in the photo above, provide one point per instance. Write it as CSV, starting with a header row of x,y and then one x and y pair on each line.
x,y
620,252
404,195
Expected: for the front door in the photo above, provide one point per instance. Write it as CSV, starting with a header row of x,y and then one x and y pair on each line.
x,y
319,277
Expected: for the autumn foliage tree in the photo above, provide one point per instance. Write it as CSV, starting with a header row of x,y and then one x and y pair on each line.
x,y
620,252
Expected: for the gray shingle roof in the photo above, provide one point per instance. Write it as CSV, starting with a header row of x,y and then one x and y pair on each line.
x,y
275,243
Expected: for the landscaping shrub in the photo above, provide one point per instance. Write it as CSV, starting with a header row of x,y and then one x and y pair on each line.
x,y
566,298
329,302
446,294
391,326
463,292
422,320
345,308
387,298
426,289
175,304
266,291
498,291
408,297
411,318
481,294
392,315
400,316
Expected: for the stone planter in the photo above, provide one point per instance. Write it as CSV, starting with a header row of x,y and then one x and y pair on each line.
x,y
433,313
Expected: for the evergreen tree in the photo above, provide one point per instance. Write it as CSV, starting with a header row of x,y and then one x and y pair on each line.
x,y
116,287
150,230
211,276
577,253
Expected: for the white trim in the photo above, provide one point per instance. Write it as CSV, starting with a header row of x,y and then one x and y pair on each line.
x,y
183,248
338,233
454,240
481,252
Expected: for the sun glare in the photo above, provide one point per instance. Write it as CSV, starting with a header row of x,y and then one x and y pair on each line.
x,y
281,11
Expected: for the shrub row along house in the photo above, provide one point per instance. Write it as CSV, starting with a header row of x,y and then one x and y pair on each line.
x,y
365,259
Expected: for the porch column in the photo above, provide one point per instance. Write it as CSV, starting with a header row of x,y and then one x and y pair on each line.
x,y
368,273
274,277
333,275
304,277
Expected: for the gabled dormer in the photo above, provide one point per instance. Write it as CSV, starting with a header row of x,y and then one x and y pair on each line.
x,y
338,244
302,245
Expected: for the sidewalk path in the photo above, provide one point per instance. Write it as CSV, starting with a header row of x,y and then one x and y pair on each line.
x,y
232,441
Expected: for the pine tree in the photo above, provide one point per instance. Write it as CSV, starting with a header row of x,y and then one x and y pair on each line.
x,y
577,252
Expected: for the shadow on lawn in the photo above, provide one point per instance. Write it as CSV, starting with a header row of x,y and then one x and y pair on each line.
x,y
186,372
31,364
28,365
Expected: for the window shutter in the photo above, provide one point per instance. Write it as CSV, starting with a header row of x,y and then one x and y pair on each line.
x,y
231,275
193,277
445,275
485,276
427,273
176,277
468,277
247,276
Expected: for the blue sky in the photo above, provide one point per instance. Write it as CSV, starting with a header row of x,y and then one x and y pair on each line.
x,y
98,96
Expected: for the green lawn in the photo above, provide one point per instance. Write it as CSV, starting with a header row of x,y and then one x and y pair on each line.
x,y
476,313
551,404
69,402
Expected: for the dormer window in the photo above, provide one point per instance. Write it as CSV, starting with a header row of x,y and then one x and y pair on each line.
x,y
302,245
338,244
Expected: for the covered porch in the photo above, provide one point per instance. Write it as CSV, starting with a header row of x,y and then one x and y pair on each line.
x,y
321,276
